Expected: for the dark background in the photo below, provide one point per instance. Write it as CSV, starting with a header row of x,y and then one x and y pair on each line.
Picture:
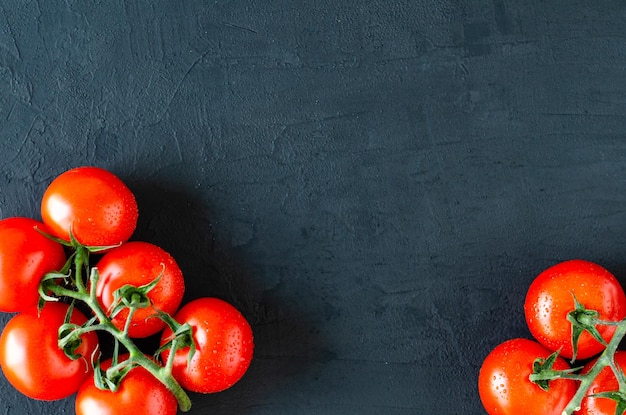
x,y
373,183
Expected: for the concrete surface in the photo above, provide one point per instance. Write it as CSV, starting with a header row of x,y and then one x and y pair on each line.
x,y
373,183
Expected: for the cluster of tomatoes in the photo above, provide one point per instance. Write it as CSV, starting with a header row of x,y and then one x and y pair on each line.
x,y
573,310
90,210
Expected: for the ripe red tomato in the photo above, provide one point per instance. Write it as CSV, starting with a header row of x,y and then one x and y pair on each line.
x,y
25,256
31,359
140,393
94,203
224,346
505,388
549,300
604,382
139,263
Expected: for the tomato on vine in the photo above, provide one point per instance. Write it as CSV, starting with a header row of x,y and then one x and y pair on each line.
x,y
565,301
47,351
98,208
223,346
32,360
139,393
25,256
139,264
505,387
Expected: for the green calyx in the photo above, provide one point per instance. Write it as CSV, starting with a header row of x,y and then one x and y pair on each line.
x,y
131,297
111,378
583,320
543,372
181,338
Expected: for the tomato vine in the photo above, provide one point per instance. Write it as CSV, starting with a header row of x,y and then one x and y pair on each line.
x,y
135,290
76,282
575,310
606,359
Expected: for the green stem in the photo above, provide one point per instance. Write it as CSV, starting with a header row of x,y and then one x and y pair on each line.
x,y
79,262
605,359
555,374
170,359
129,319
60,291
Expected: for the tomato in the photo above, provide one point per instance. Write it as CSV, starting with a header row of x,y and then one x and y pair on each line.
x,y
94,203
31,359
224,346
505,388
140,393
139,263
604,382
550,298
25,256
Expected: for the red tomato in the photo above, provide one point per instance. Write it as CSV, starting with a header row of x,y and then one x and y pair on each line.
x,y
604,382
25,256
94,203
140,393
138,264
505,388
549,300
31,359
224,346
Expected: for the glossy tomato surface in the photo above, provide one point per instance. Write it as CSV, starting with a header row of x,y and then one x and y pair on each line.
x,y
25,257
224,346
550,298
140,393
139,263
504,386
31,359
604,382
95,204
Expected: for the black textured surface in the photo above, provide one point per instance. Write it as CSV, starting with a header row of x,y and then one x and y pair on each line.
x,y
373,183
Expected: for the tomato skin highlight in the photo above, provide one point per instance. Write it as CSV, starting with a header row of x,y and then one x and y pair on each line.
x,y
31,359
224,346
139,263
140,393
549,300
505,388
98,207
25,257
